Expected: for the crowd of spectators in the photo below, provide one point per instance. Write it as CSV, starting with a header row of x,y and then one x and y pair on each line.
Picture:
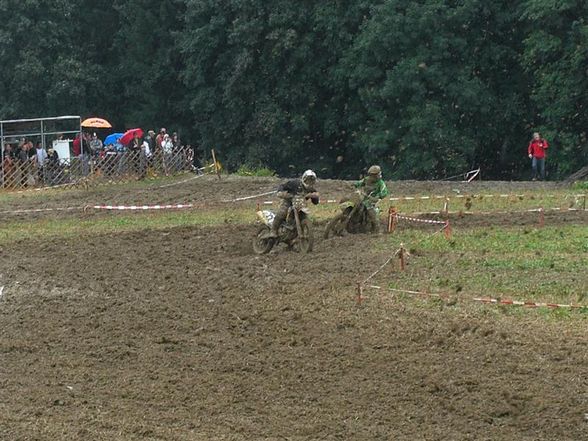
x,y
26,164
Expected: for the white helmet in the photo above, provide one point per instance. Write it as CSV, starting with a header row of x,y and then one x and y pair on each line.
x,y
308,178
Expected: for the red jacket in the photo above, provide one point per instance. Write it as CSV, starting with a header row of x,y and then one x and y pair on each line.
x,y
77,147
537,148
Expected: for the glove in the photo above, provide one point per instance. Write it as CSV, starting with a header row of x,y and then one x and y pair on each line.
x,y
530,156
314,197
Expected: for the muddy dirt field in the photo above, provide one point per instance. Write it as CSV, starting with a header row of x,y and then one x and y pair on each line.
x,y
208,191
184,334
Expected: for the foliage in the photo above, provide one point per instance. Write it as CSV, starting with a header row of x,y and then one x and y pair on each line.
x,y
581,185
427,88
246,170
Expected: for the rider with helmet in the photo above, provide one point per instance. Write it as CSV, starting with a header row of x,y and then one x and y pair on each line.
x,y
374,189
288,190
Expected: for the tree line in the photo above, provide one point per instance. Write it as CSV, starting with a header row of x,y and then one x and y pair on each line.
x,y
426,88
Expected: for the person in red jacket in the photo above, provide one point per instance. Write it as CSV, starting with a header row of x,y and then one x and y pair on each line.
x,y
537,148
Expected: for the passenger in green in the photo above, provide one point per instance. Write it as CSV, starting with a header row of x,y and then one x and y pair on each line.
x,y
374,189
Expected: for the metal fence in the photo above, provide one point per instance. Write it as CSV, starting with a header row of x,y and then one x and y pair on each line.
x,y
107,167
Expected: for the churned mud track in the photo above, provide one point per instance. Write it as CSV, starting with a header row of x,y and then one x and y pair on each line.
x,y
184,334
209,191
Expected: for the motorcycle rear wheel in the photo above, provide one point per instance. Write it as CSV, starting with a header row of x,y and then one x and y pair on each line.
x,y
336,226
261,243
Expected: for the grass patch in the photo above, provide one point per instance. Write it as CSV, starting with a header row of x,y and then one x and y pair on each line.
x,y
581,185
546,264
562,199
120,223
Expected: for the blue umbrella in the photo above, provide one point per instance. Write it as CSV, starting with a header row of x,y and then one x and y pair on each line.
x,y
113,138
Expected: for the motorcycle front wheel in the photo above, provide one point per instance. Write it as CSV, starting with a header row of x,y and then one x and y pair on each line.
x,y
262,244
306,242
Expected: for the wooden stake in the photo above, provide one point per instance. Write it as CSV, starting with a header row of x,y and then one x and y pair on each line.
x,y
446,207
359,293
392,219
216,168
447,230
402,257
541,217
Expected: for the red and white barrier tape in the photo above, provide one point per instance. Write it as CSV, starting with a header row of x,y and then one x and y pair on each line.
x,y
423,221
401,251
328,201
471,175
478,196
466,176
487,300
142,207
173,184
492,301
31,190
40,210
251,197
531,210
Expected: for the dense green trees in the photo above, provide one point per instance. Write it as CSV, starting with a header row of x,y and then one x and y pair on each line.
x,y
427,88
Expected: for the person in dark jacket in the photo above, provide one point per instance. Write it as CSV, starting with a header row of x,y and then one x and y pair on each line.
x,y
288,190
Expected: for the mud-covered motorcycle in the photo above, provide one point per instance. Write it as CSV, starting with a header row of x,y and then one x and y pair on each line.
x,y
295,231
354,216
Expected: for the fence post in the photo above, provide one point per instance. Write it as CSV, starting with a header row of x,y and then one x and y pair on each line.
x,y
541,218
359,293
392,219
447,230
217,170
402,257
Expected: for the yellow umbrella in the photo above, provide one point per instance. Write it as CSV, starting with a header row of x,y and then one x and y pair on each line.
x,y
97,123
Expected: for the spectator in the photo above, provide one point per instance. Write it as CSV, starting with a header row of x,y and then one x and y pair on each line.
x,y
135,144
41,156
32,151
24,163
176,142
134,152
77,146
159,139
167,147
96,145
52,167
52,157
146,147
22,152
144,157
32,164
536,151
81,144
150,139
8,166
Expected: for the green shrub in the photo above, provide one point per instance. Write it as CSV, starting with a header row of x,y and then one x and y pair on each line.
x,y
247,170
581,185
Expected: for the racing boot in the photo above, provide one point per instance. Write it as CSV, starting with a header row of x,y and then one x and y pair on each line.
x,y
373,221
278,219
